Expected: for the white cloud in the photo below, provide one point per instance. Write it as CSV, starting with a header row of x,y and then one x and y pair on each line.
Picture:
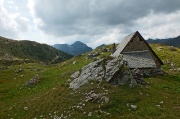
x,y
160,25
10,2
94,22
11,23
8,25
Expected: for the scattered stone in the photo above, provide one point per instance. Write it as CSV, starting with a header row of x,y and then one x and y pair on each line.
x,y
25,108
133,106
90,114
161,102
19,70
92,54
140,92
172,48
138,76
75,75
167,61
34,81
74,62
172,65
106,99
92,96
159,48
158,105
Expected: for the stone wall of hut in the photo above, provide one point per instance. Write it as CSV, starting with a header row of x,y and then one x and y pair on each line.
x,y
137,44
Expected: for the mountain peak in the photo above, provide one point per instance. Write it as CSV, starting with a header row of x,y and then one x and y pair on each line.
x,y
78,44
75,49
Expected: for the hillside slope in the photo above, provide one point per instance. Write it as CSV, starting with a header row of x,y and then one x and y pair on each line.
x,y
51,97
33,51
76,48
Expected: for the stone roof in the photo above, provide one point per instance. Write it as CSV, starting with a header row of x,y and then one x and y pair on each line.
x,y
122,45
139,59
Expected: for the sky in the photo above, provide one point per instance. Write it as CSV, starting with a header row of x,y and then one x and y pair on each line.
x,y
93,22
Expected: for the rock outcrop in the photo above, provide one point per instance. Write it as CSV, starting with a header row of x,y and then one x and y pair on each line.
x,y
114,71
33,81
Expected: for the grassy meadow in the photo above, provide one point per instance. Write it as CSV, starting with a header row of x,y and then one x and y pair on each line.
x,y
52,98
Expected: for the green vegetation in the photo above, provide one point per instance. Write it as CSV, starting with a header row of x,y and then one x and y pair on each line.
x,y
51,97
29,51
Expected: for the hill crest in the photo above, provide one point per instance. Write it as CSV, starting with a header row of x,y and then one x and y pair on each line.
x,y
30,50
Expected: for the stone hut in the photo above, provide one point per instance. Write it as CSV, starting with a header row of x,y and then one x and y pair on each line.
x,y
137,52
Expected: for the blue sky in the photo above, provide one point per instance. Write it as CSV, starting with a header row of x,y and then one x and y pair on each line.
x,y
93,22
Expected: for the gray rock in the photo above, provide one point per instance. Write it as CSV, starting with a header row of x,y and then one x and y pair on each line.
x,y
133,106
92,96
88,72
19,70
74,62
90,114
33,81
106,99
25,108
75,75
114,71
92,54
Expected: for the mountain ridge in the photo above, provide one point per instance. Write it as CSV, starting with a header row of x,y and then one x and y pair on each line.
x,y
31,50
76,48
167,41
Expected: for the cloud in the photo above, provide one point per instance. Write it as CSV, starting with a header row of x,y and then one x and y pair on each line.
x,y
94,17
8,26
94,22
11,2
11,23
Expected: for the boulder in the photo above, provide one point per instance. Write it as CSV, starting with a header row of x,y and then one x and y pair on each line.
x,y
172,48
133,106
114,71
92,54
19,70
88,72
33,81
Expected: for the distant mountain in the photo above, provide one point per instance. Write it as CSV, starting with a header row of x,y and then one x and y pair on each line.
x,y
30,50
169,41
75,49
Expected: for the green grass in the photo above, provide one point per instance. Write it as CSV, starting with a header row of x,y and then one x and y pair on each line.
x,y
29,51
52,96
